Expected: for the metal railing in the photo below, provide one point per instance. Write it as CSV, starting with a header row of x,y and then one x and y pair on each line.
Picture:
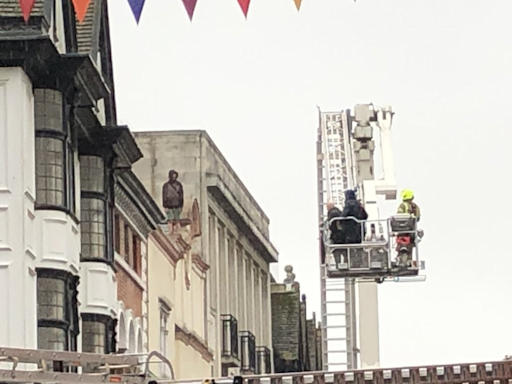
x,y
378,242
229,336
248,344
263,361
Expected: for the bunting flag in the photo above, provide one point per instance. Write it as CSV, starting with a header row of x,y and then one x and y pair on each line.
x,y
81,8
26,8
244,4
136,6
190,6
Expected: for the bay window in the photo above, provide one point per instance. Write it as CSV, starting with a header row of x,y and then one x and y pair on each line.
x,y
96,209
57,311
55,151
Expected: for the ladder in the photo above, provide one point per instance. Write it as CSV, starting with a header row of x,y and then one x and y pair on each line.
x,y
46,366
335,171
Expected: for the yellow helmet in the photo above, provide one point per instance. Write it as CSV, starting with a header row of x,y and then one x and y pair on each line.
x,y
407,194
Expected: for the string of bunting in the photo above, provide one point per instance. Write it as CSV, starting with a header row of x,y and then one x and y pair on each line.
x,y
81,7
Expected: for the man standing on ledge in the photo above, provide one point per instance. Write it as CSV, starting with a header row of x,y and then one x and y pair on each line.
x,y
172,198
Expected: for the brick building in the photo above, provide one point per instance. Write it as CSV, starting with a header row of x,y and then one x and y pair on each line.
x,y
296,340
136,216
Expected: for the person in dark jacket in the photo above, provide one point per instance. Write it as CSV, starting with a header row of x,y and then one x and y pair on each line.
x,y
336,226
351,228
337,235
172,197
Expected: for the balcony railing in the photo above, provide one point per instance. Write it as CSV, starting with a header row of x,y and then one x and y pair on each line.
x,y
263,363
229,336
248,342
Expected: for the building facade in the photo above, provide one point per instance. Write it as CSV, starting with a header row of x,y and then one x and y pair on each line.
x,y
297,341
136,216
182,169
60,151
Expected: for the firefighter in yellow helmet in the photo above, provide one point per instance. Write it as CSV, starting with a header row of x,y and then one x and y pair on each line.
x,y
408,206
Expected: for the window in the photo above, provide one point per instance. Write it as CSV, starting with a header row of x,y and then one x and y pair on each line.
x,y
117,233
98,335
55,152
93,228
127,233
96,209
57,311
136,259
164,335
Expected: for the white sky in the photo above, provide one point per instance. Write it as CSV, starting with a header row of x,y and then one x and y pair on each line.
x,y
444,66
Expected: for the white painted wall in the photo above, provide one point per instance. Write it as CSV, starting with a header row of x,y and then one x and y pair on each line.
x,y
17,195
97,292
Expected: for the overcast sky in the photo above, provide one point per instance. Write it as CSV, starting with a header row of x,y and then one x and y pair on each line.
x,y
446,69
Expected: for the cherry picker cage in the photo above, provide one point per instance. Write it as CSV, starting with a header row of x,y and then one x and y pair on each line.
x,y
374,257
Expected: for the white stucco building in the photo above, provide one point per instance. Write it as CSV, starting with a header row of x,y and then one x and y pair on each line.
x,y
60,149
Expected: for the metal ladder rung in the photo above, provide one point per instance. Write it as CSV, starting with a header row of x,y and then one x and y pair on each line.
x,y
336,302
336,363
334,326
334,289
336,339
335,314
335,351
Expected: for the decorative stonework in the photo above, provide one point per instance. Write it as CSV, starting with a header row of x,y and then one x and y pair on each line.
x,y
131,209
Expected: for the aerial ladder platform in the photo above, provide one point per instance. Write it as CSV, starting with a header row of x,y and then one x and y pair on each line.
x,y
389,250
42,366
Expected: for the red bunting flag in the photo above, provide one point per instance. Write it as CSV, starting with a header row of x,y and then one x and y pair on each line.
x,y
81,8
297,4
26,8
190,6
244,4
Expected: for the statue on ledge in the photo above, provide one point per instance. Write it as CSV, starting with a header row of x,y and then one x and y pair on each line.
x,y
172,198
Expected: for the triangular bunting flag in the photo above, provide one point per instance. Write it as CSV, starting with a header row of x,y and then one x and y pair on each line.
x,y
297,4
136,6
81,8
190,6
26,8
244,4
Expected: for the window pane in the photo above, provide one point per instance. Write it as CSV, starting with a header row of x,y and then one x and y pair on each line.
x,y
92,174
51,338
71,179
93,337
51,299
93,228
48,110
49,171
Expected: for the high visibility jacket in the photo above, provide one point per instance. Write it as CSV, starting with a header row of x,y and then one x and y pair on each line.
x,y
411,208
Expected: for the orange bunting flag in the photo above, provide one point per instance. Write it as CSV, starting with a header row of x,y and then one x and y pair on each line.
x,y
297,4
26,8
244,4
81,8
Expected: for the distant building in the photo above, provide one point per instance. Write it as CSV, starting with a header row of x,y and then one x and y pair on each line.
x,y
296,340
183,169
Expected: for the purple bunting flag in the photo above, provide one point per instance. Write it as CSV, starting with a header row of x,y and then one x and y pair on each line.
x,y
190,6
136,6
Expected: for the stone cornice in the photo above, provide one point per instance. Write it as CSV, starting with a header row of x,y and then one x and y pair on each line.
x,y
200,263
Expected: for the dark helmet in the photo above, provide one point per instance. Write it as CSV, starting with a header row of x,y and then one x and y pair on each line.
x,y
350,194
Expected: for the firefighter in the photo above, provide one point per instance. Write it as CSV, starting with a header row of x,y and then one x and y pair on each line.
x,y
408,206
